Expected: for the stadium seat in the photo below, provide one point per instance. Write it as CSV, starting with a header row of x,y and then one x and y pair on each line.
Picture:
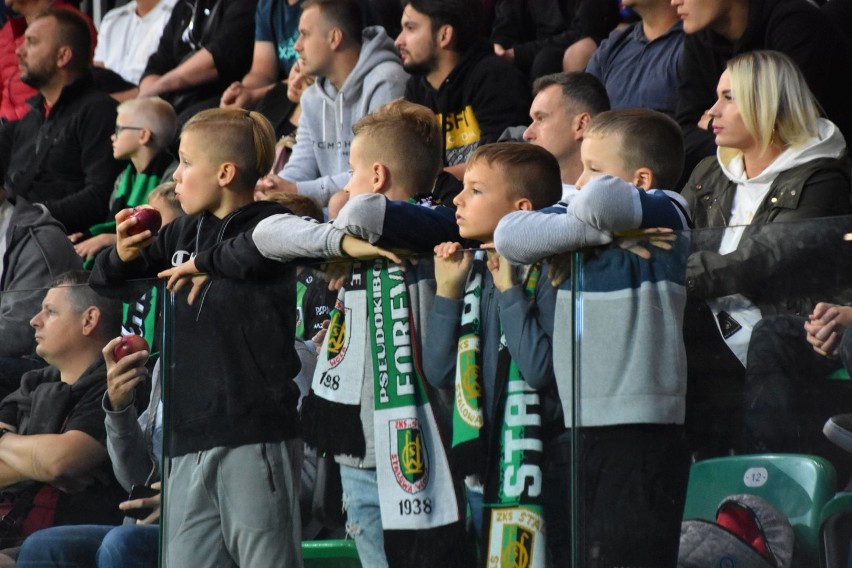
x,y
798,485
330,554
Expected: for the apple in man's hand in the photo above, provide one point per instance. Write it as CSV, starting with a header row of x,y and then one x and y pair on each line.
x,y
128,345
147,219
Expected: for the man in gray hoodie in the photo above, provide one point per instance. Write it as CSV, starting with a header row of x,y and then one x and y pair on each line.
x,y
358,70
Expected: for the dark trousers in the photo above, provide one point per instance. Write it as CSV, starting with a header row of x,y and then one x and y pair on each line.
x,y
788,396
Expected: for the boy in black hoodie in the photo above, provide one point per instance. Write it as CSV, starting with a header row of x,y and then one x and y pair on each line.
x,y
233,438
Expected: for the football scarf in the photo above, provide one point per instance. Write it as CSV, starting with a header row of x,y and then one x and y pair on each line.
x,y
468,447
513,489
331,413
411,467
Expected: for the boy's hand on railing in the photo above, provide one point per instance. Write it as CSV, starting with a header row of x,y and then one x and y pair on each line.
x,y
361,249
452,264
501,271
633,241
179,276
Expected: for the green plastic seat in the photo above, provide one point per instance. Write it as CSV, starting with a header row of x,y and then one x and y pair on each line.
x,y
840,374
330,554
836,530
798,485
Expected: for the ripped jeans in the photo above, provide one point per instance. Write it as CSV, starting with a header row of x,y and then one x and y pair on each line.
x,y
363,516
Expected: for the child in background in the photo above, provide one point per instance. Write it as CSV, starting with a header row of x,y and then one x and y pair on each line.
x,y
144,129
234,445
632,449
487,342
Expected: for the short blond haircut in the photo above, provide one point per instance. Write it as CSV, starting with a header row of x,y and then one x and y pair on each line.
x,y
156,115
773,98
647,138
531,171
406,138
244,138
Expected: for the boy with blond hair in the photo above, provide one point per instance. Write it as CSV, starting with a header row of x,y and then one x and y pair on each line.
x,y
634,456
367,393
144,129
234,447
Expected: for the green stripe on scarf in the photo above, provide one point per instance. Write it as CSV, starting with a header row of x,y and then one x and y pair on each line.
x,y
468,448
513,499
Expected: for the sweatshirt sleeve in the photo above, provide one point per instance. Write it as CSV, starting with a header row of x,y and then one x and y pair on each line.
x,y
236,258
528,340
609,203
397,224
440,348
524,237
288,237
125,442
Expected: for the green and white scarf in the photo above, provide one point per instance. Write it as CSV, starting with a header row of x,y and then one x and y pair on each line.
x,y
513,512
468,448
411,465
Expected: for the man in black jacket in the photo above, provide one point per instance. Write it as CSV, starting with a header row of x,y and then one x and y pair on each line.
x,y
455,72
60,153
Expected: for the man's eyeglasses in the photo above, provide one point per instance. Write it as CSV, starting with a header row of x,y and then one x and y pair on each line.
x,y
119,128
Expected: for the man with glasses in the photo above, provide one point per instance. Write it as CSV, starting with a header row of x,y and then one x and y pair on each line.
x,y
59,154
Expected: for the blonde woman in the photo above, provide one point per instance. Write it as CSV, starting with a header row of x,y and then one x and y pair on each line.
x,y
777,160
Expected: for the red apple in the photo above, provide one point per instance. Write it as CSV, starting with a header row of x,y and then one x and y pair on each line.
x,y
127,345
147,219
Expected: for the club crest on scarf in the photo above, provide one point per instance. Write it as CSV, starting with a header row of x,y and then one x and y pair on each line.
x,y
410,457
338,339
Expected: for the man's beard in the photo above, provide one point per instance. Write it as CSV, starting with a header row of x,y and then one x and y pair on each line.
x,y
422,67
34,79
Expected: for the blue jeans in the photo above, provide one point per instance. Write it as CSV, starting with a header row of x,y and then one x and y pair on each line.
x,y
363,516
84,546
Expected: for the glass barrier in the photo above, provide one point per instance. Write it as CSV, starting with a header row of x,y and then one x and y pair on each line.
x,y
651,379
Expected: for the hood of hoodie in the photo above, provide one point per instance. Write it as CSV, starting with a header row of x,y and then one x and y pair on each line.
x,y
28,215
828,144
376,48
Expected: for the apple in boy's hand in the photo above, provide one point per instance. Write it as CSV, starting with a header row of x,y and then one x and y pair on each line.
x,y
147,219
128,345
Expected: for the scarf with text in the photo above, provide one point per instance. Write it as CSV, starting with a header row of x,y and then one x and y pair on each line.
x,y
513,512
411,466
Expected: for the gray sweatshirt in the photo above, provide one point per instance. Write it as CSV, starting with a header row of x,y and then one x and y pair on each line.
x,y
319,165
